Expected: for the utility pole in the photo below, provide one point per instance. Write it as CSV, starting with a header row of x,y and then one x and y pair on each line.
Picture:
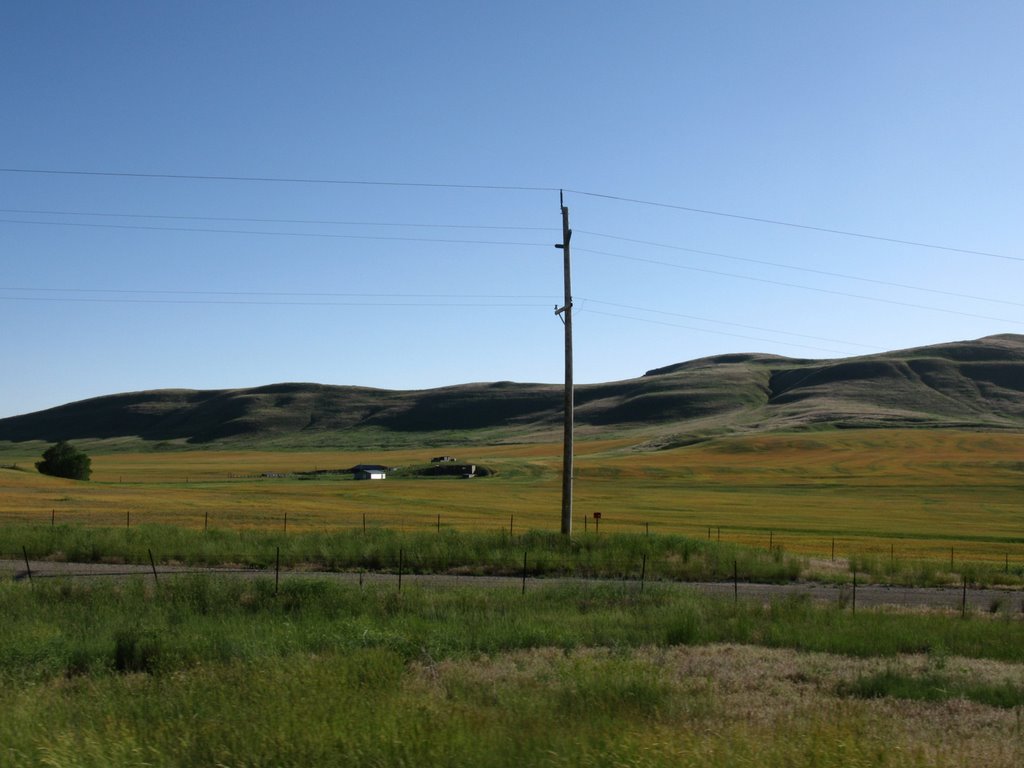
x,y
565,312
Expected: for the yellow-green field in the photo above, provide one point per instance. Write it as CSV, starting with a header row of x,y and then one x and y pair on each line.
x,y
908,493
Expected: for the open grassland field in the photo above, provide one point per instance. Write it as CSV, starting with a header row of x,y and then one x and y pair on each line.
x,y
205,670
881,496
210,671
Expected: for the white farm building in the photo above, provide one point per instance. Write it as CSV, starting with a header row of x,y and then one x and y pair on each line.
x,y
369,472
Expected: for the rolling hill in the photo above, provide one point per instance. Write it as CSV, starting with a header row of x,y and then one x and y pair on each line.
x,y
970,384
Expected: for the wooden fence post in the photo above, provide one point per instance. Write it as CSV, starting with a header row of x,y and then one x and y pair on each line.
x,y
854,591
643,573
524,573
152,564
277,570
28,568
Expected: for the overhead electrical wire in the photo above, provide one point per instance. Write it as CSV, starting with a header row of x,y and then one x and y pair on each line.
x,y
708,330
139,291
809,270
794,225
331,235
797,286
656,244
281,180
237,302
332,222
721,322
321,294
458,241
516,188
587,193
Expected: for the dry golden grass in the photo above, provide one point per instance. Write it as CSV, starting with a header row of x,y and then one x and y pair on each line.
x,y
759,698
906,493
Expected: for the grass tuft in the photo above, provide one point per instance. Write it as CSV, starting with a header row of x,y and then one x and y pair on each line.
x,y
933,687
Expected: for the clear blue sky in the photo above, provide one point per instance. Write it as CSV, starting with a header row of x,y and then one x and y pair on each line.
x,y
900,120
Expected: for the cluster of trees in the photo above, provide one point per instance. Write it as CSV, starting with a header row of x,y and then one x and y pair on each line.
x,y
64,460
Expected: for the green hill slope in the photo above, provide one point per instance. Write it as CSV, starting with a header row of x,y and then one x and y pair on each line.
x,y
974,384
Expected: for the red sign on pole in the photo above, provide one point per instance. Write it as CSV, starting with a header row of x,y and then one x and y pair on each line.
x,y
597,515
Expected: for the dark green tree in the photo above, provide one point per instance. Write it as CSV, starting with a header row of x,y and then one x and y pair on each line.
x,y
64,460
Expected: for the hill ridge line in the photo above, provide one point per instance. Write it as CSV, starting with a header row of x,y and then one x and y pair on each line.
x,y
963,384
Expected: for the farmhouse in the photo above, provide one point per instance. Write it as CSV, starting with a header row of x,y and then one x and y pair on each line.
x,y
369,472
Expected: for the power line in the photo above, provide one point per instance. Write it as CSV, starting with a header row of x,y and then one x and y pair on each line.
x,y
280,180
780,223
363,295
101,300
707,330
799,286
331,235
277,221
809,270
727,322
138,291
514,188
335,222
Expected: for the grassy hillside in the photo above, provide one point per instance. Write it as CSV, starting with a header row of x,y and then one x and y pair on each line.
x,y
975,384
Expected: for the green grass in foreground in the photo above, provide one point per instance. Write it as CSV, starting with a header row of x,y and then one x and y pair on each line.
x,y
368,709
214,671
69,629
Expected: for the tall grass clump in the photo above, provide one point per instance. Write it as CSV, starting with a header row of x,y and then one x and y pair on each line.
x,y
605,556
933,687
617,556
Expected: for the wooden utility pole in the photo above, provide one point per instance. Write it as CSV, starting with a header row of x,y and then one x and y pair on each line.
x,y
565,312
